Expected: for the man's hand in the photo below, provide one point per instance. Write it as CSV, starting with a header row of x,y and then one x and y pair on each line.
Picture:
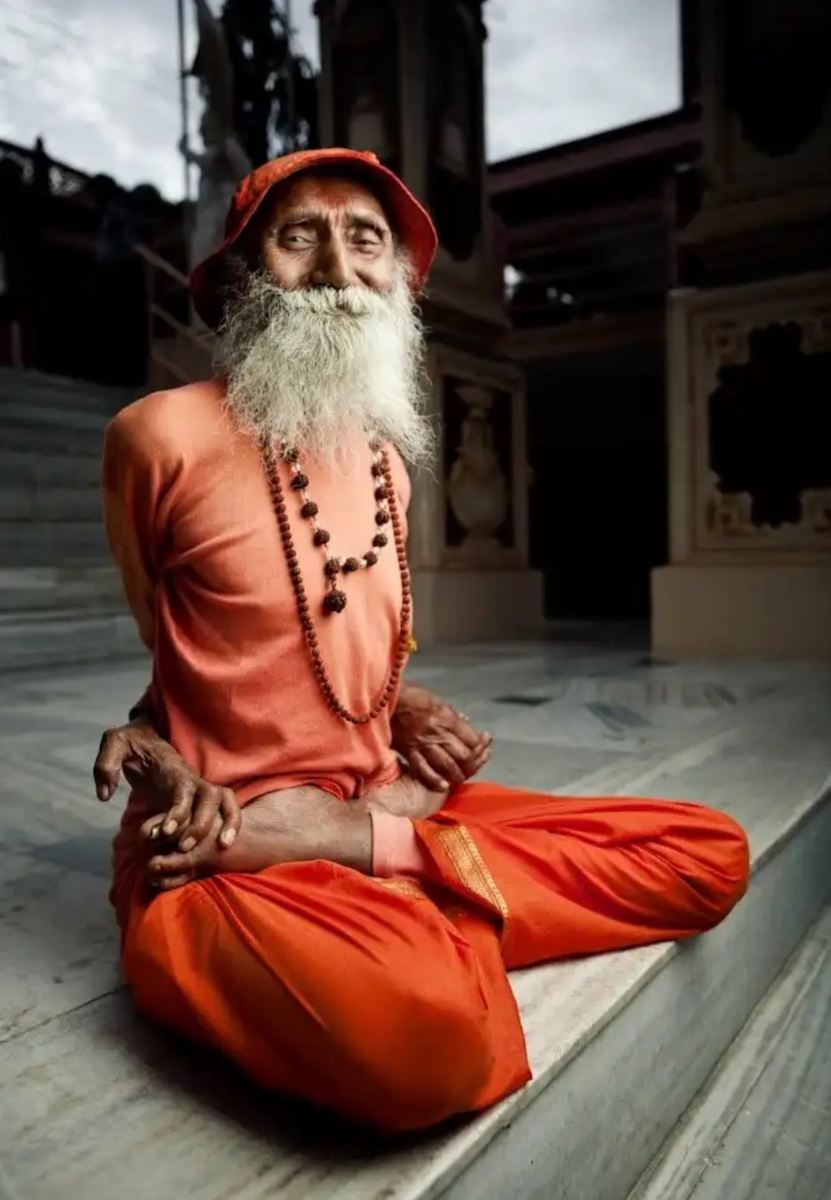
x,y
187,803
439,746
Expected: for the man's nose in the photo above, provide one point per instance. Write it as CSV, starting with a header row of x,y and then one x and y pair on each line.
x,y
332,267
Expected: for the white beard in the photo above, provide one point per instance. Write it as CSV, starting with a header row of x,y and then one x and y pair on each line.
x,y
323,367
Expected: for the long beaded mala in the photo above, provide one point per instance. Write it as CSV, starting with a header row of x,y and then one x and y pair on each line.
x,y
335,599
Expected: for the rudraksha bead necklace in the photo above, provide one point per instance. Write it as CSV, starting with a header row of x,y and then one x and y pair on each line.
x,y
387,512
335,598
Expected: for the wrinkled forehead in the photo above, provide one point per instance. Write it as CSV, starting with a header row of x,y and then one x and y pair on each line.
x,y
335,193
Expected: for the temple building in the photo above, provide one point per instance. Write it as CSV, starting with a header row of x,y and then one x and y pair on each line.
x,y
671,307
630,339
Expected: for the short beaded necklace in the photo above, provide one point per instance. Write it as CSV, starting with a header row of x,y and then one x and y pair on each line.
x,y
335,599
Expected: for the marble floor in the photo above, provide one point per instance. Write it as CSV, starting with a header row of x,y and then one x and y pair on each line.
x,y
94,1102
761,1129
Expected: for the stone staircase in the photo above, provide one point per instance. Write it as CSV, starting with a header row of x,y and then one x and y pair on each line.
x,y
60,595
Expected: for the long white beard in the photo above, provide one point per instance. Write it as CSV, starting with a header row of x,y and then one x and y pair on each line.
x,y
322,367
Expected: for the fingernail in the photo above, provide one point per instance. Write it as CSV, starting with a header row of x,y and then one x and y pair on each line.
x,y
187,844
104,792
154,832
444,786
228,837
169,827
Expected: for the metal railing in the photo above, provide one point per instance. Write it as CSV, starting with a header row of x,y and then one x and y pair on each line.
x,y
196,336
38,169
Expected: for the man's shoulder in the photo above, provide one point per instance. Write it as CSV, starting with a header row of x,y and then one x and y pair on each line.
x,y
176,418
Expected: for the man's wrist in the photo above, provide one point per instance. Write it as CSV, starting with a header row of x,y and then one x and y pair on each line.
x,y
143,712
411,696
143,722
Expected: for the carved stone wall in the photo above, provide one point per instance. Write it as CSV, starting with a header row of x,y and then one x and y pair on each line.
x,y
751,419
468,517
404,78
366,73
454,118
750,351
766,97
476,513
478,466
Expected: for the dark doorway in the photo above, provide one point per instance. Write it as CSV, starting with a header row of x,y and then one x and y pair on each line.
x,y
597,449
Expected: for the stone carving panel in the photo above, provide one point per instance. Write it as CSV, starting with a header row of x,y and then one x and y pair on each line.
x,y
778,82
765,432
367,80
478,454
454,125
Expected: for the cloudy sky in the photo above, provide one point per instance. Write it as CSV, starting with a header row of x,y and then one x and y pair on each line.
x,y
98,78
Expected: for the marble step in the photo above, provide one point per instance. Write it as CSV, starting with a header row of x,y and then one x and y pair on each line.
x,y
27,502
34,389
38,589
762,1124
620,1044
66,636
33,467
14,413
51,438
52,543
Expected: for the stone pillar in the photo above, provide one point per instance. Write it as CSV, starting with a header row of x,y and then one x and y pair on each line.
x,y
404,79
749,346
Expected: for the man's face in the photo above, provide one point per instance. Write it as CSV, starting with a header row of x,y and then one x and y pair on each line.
x,y
322,346
327,231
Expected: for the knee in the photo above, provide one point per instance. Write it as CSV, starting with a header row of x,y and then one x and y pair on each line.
x,y
729,866
431,1065
149,967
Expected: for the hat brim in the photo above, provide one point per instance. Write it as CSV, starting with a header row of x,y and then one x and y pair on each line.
x,y
410,220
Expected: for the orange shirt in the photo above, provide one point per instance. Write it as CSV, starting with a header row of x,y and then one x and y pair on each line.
x,y
192,526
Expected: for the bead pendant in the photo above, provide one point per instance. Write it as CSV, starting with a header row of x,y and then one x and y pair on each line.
x,y
334,601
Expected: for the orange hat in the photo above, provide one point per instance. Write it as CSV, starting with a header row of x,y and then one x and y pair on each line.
x,y
411,221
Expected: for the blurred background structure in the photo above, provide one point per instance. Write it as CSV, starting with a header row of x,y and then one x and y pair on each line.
x,y
630,354
630,333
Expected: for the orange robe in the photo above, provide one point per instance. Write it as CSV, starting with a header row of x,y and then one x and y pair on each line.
x,y
385,999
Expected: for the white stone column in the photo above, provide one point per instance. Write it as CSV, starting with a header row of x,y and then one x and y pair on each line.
x,y
468,519
736,586
741,583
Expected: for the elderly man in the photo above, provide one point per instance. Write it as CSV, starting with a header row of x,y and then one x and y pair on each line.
x,y
345,938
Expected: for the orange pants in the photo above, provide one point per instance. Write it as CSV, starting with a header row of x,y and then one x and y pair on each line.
x,y
388,1000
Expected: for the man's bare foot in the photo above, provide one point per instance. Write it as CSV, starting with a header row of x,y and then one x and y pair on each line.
x,y
295,825
407,797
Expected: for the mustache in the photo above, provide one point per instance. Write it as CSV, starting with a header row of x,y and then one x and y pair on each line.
x,y
273,302
326,300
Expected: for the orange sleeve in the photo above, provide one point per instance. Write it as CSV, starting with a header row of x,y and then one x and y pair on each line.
x,y
133,482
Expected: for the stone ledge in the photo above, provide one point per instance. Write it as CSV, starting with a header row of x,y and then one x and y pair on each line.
x,y
619,1043
742,611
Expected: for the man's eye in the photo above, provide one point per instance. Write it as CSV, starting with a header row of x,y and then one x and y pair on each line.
x,y
296,239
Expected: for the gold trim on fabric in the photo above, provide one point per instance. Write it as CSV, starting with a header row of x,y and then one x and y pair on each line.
x,y
471,868
403,887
